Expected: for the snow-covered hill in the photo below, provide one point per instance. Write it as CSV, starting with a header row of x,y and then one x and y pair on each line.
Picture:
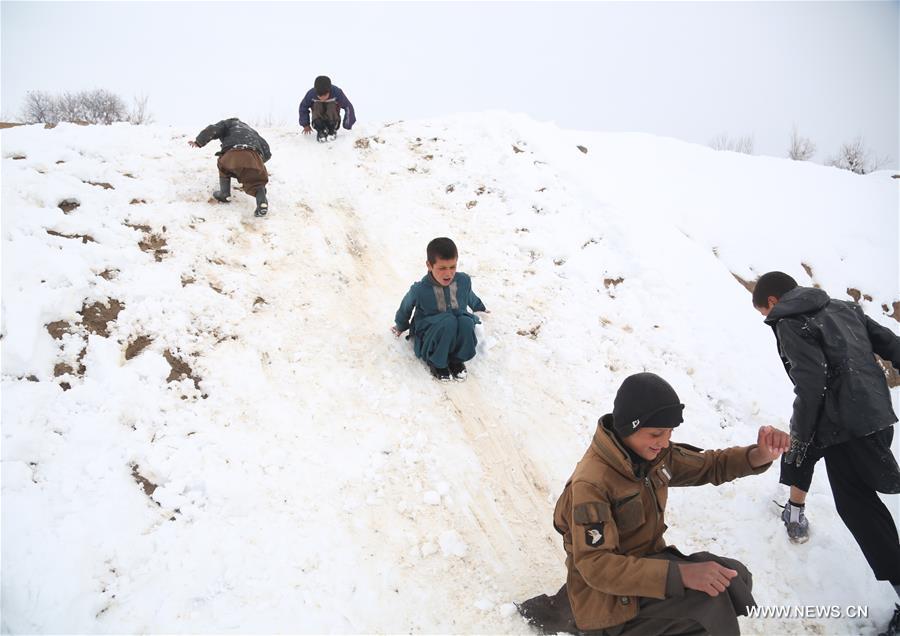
x,y
207,425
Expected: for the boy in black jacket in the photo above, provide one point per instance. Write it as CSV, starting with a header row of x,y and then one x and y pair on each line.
x,y
842,409
243,155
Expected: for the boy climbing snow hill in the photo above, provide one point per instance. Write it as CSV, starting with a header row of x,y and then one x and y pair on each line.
x,y
442,328
243,155
323,104
842,412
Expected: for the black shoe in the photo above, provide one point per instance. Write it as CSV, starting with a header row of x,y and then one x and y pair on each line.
x,y
262,205
440,374
893,628
321,135
458,370
262,209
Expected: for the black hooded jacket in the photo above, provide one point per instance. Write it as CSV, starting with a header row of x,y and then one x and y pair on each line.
x,y
233,132
827,347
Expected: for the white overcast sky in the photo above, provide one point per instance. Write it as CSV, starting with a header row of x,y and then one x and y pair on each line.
x,y
685,70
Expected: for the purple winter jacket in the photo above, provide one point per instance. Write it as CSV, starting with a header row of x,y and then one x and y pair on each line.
x,y
342,102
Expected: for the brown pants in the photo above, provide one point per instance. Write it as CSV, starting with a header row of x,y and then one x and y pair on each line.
x,y
246,166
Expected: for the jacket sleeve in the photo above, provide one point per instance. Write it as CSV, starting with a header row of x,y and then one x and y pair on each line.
x,y
808,372
475,302
349,113
694,467
595,540
213,131
884,342
404,313
267,153
305,105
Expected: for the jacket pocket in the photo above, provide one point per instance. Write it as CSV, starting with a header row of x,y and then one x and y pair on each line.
x,y
629,513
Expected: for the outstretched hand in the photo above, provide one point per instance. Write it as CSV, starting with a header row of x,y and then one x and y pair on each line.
x,y
193,144
770,444
708,577
395,331
307,130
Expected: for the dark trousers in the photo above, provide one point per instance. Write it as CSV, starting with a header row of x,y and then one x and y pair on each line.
x,y
449,337
800,476
857,471
692,614
325,116
246,166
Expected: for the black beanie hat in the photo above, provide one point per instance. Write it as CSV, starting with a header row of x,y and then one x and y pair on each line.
x,y
645,399
322,85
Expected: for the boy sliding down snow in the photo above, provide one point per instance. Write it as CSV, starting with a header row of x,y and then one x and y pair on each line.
x,y
325,101
242,156
442,328
623,580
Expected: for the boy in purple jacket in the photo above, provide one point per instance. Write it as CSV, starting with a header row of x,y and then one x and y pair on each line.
x,y
324,102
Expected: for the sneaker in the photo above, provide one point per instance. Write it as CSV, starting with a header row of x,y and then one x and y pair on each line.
x,y
440,374
221,198
321,136
262,209
893,628
332,136
458,370
795,522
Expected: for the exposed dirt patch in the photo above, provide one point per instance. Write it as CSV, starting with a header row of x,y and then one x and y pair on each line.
x,y
9,124
428,157
541,189
148,486
100,184
590,241
97,317
559,261
138,227
85,238
18,157
108,274
855,294
480,190
748,285
58,328
531,332
156,244
59,162
181,370
187,280
259,301
471,204
61,368
67,205
129,175
136,346
362,142
136,201
809,272
896,314
450,188
582,149
516,149
216,289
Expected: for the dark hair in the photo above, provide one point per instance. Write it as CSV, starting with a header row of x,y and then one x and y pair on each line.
x,y
442,248
322,85
771,284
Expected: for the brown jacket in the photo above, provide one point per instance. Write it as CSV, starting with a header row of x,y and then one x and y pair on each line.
x,y
611,517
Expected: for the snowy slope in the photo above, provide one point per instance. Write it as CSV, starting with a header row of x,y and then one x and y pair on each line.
x,y
273,460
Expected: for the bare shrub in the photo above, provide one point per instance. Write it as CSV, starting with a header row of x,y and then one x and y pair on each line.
x,y
743,144
802,148
98,106
856,157
40,108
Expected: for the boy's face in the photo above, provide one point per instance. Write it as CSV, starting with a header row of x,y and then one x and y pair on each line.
x,y
648,442
443,270
324,97
768,308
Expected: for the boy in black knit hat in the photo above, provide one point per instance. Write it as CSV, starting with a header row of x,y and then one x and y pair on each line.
x,y
622,577
842,412
321,109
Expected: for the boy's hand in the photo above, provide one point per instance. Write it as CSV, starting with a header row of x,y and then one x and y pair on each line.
x,y
770,444
193,144
307,130
708,577
395,331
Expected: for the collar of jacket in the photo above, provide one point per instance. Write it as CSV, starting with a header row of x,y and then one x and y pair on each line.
x,y
614,453
428,278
